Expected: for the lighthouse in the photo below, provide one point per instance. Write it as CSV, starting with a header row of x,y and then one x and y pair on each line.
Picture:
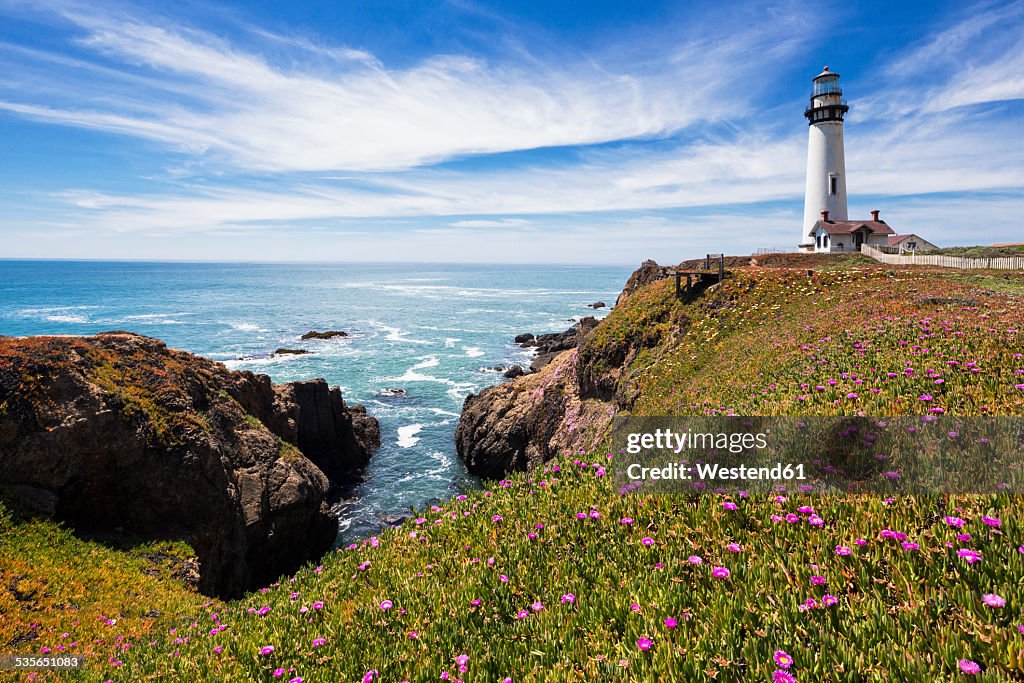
x,y
826,162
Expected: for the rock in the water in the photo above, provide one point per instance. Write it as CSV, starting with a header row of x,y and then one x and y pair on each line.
x,y
118,431
391,392
524,339
550,345
596,305
329,334
514,371
290,352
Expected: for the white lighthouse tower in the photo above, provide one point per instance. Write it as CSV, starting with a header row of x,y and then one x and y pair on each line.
x,y
826,162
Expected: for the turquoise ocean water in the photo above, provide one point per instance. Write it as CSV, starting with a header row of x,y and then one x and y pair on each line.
x,y
432,330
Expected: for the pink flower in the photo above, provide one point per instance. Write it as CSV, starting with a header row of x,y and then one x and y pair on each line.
x,y
992,521
386,605
370,676
318,605
720,573
522,614
842,550
671,622
780,676
993,600
644,643
782,660
626,520
537,606
817,580
955,522
647,541
278,672
968,667
568,598
969,556
697,559
729,505
734,547
829,600
267,650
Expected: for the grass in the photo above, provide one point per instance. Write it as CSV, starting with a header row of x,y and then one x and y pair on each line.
x,y
852,588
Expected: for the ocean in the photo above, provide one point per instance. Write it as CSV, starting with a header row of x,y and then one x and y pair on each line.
x,y
432,330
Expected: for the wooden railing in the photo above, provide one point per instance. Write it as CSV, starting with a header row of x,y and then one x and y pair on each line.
x,y
915,259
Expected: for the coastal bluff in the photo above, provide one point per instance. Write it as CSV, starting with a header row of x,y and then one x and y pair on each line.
x,y
118,434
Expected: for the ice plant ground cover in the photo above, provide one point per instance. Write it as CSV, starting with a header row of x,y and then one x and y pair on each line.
x,y
555,576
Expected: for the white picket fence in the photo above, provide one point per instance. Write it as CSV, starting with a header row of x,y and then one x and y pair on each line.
x,y
914,259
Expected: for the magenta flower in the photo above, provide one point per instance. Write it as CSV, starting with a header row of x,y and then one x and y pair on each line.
x,y
955,522
992,521
537,606
386,605
644,643
634,607
671,622
993,600
829,600
910,545
969,556
782,660
729,505
647,540
734,547
267,650
626,520
496,518
318,604
780,676
319,641
968,667
522,614
817,580
720,573
568,598
842,550
370,676
278,672
697,559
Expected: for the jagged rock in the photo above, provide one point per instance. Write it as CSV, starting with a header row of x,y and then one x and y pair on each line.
x,y
514,371
520,424
117,431
290,352
524,339
648,272
596,305
391,393
329,334
550,345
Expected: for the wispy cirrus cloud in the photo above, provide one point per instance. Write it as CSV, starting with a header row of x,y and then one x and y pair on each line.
x,y
203,95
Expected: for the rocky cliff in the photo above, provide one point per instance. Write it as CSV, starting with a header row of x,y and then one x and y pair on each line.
x,y
118,433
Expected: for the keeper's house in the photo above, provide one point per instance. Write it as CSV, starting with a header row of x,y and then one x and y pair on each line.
x,y
838,237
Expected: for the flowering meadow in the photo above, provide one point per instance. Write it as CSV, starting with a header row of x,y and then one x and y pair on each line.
x,y
553,575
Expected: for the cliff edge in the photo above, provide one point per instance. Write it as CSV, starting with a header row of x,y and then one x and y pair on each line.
x,y
116,433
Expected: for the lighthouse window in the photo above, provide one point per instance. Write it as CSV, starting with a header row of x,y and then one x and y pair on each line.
x,y
833,184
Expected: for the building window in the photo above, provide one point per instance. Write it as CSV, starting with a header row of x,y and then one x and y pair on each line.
x,y
833,184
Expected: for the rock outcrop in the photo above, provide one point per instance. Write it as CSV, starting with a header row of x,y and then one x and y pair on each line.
x,y
520,424
550,345
117,432
329,334
567,404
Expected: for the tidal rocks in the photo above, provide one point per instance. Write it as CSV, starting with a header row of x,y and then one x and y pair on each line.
x,y
597,304
526,339
513,372
118,432
391,393
329,334
290,352
550,345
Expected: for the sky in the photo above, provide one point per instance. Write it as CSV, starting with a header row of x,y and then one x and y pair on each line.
x,y
515,131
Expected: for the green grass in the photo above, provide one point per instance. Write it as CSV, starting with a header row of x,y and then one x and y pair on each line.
x,y
748,346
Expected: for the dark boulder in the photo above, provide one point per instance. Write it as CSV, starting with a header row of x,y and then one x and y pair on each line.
x,y
597,304
289,352
514,371
329,334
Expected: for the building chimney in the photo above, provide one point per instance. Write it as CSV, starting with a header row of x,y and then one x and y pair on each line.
x,y
824,216
874,215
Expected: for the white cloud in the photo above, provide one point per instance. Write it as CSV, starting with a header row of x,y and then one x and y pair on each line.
x,y
207,96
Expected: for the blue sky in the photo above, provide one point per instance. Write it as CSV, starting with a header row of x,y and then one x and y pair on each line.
x,y
606,132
